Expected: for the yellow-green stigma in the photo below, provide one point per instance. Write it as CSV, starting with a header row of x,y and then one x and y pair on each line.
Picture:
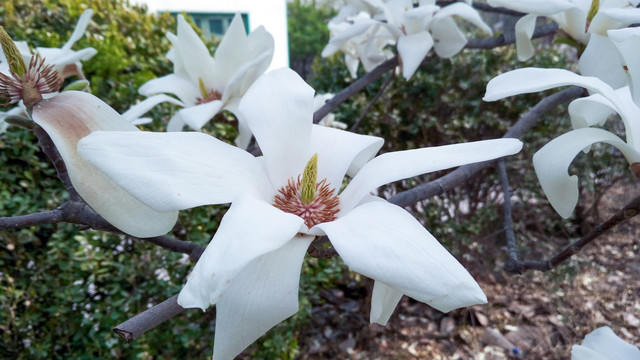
x,y
593,10
11,52
309,178
313,201
207,95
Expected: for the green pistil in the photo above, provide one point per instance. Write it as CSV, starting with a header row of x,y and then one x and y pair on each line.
x,y
11,52
309,179
593,10
203,89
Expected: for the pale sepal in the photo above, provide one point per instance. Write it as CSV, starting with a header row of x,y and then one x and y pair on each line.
x,y
603,343
384,300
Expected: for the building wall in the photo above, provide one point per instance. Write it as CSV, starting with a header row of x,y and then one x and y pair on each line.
x,y
272,14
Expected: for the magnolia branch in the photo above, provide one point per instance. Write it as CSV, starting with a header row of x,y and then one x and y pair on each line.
x,y
629,211
464,173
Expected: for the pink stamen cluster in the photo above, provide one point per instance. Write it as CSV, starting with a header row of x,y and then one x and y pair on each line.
x,y
37,80
321,209
211,96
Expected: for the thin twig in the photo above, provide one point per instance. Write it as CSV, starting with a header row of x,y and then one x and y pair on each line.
x,y
484,7
506,207
509,38
370,105
148,319
629,211
463,173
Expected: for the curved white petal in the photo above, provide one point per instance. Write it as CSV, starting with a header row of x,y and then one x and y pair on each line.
x,y
262,295
528,80
466,12
176,170
412,50
241,59
279,111
627,41
448,38
193,53
384,242
613,18
589,111
340,150
67,118
607,68
147,104
603,343
249,229
181,87
540,7
524,32
384,300
244,133
78,32
400,165
552,161
336,42
197,116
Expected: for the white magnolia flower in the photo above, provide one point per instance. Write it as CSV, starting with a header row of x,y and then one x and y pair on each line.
x,y
551,162
362,39
415,30
280,201
318,101
206,85
604,344
627,42
418,29
572,17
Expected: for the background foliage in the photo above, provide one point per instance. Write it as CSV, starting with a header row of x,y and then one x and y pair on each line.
x,y
62,288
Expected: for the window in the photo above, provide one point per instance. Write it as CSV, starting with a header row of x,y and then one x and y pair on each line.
x,y
216,24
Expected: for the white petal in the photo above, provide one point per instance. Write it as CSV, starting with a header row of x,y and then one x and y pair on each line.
x,y
449,40
193,52
605,343
176,170
279,111
147,104
552,161
384,300
181,87
466,12
613,18
540,7
244,133
262,295
606,68
78,32
529,80
412,50
175,123
67,118
589,111
197,116
384,242
627,41
400,165
524,32
339,151
249,229
245,76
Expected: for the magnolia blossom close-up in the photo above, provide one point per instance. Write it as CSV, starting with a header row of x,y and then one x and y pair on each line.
x,y
552,161
282,200
604,344
415,29
205,85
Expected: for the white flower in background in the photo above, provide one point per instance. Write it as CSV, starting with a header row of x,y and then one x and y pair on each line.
x,y
205,85
361,39
280,201
373,8
552,161
604,344
318,101
415,30
573,17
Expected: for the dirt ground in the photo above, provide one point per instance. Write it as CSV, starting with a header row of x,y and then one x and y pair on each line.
x,y
531,316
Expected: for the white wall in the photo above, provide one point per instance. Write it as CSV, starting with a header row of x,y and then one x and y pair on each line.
x,y
272,14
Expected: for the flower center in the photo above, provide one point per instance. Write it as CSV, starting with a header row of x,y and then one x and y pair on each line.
x,y
313,201
208,95
322,208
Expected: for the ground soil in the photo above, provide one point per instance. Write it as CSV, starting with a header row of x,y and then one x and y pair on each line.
x,y
539,314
